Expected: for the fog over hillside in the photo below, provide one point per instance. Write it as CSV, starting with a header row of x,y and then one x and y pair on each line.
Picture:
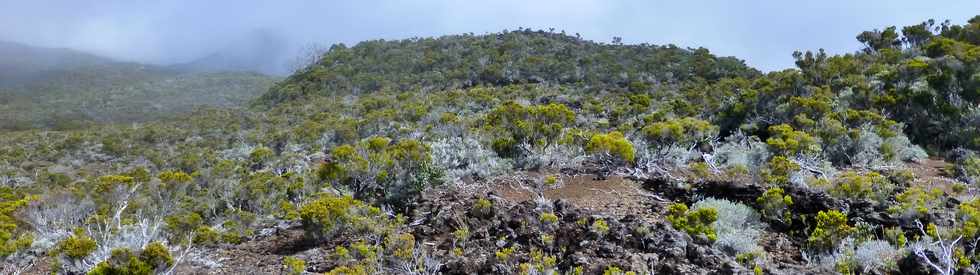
x,y
20,62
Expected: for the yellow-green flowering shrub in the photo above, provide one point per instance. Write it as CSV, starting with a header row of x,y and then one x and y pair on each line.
x,y
77,246
916,201
787,141
611,145
329,213
697,222
11,239
869,185
969,217
830,229
779,170
293,265
775,204
679,132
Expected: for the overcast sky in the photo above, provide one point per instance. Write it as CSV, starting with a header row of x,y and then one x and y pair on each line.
x,y
764,33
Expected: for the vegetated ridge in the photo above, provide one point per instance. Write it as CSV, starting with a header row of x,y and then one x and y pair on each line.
x,y
529,152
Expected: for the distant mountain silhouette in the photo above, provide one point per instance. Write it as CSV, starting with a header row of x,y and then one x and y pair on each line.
x,y
21,63
259,51
65,89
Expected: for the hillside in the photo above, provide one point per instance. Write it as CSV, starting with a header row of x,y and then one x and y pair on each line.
x,y
523,56
63,89
524,152
21,62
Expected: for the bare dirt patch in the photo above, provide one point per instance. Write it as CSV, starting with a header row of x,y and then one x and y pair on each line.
x,y
615,195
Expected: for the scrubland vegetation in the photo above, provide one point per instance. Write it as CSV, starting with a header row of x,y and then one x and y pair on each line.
x,y
364,149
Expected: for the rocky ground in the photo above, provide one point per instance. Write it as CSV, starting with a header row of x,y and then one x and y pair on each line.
x,y
638,237
625,205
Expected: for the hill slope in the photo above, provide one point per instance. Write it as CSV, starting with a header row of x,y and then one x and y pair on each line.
x,y
21,63
55,88
523,56
529,152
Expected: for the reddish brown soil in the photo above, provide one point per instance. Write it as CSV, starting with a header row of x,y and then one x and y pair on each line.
x,y
930,173
615,195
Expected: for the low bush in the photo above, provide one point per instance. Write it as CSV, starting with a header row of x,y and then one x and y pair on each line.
x,y
11,239
683,132
742,153
599,227
916,201
775,204
694,222
380,170
970,169
78,246
830,230
611,146
737,226
461,157
969,216
329,214
870,185
293,265
779,170
876,256
482,207
789,142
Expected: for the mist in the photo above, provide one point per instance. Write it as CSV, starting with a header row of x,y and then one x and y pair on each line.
x,y
270,34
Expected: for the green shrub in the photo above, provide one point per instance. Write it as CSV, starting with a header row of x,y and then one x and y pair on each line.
x,y
779,170
174,177
259,156
293,265
362,258
11,240
700,169
600,227
611,145
482,207
830,229
697,222
775,204
77,246
615,270
550,180
969,216
896,236
787,141
679,132
916,201
379,170
401,246
460,235
548,218
538,125
156,255
971,168
904,177
153,259
205,235
329,213
183,224
122,261
870,185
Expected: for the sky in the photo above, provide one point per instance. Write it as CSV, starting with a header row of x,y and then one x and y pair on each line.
x,y
762,32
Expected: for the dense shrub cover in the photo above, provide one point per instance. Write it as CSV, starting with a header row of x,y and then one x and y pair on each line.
x,y
348,145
